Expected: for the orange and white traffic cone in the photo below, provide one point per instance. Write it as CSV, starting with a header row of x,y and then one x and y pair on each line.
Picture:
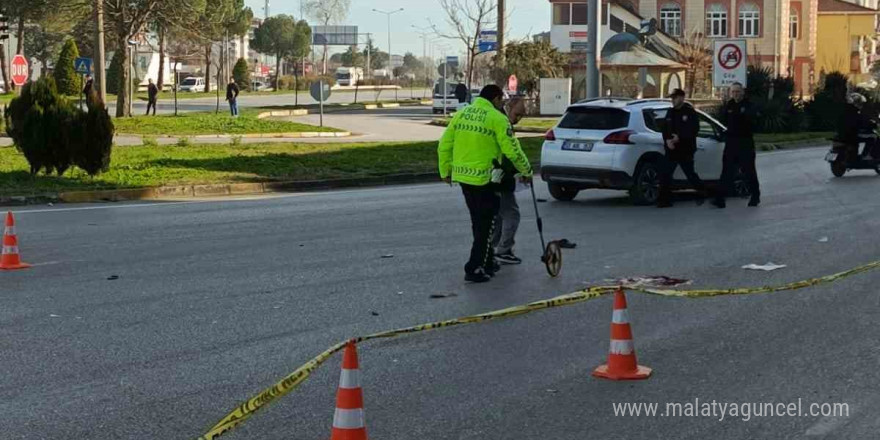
x,y
9,258
348,421
622,364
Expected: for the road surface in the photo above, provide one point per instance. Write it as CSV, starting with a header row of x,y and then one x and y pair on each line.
x,y
209,103
216,300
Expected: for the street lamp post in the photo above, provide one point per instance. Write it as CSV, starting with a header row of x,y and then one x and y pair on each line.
x,y
424,36
388,14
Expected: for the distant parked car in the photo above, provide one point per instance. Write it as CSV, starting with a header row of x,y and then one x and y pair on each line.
x,y
258,86
192,84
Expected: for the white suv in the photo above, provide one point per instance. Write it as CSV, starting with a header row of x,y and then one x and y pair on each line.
x,y
613,143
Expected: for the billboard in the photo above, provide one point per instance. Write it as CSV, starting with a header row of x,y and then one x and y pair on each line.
x,y
334,35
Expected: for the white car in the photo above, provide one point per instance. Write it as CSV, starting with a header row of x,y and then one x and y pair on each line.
x,y
613,143
192,84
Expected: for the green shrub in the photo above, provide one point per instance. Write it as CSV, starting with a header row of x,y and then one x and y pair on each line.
x,y
829,101
92,154
67,80
53,134
241,74
773,99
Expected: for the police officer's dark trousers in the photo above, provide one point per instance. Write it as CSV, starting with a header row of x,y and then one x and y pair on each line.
x,y
739,154
483,204
673,161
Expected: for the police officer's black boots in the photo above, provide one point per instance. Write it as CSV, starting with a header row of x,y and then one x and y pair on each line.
x,y
755,201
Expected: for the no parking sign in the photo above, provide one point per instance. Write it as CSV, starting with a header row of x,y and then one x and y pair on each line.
x,y
729,63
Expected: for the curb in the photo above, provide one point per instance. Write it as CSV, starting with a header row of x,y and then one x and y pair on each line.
x,y
216,190
389,105
442,123
294,135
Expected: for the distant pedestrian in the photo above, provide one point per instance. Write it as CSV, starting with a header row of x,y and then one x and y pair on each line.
x,y
507,220
461,93
680,137
738,115
478,136
152,95
232,96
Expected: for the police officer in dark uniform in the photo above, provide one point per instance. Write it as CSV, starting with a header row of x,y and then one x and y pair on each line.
x,y
738,115
680,141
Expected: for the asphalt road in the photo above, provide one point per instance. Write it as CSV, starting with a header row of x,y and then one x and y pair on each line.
x,y
216,300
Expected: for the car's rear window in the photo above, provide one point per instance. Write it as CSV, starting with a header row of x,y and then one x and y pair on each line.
x,y
594,118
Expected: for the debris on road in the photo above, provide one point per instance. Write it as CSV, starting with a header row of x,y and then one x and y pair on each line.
x,y
54,316
766,268
650,281
388,256
441,296
823,240
113,277
552,391
542,200
374,313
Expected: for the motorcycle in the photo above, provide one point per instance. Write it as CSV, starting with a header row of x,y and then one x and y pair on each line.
x,y
845,157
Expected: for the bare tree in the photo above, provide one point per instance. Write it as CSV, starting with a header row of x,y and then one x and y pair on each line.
x,y
327,12
695,55
468,18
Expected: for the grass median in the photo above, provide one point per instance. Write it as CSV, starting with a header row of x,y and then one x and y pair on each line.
x,y
210,123
154,166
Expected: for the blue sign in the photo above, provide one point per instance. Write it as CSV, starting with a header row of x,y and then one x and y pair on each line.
x,y
452,61
83,65
488,41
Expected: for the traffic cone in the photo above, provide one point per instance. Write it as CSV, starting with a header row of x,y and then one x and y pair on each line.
x,y
9,259
348,420
622,364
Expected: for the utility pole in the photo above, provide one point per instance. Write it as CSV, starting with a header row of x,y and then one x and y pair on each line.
x,y
592,63
500,30
100,71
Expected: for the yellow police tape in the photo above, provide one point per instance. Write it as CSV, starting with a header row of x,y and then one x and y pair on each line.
x,y
292,381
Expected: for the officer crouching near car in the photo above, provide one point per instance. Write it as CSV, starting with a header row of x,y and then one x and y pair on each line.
x,y
738,115
477,138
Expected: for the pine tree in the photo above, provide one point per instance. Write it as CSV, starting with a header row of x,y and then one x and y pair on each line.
x,y
114,73
241,74
66,78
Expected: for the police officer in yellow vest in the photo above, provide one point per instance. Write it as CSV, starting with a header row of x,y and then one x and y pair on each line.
x,y
477,138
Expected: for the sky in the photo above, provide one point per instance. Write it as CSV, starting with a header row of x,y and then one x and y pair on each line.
x,y
527,17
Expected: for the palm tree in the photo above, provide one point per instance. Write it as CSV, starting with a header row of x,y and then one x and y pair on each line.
x,y
695,55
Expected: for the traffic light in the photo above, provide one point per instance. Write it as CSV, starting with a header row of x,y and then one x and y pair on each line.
x,y
4,26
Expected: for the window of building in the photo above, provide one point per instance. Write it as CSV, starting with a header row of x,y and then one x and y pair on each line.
x,y
794,25
616,24
562,14
716,21
579,14
670,19
749,20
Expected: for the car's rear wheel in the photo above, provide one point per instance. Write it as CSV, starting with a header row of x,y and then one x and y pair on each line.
x,y
646,189
562,193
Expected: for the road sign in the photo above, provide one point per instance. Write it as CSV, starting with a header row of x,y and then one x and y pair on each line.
x,y
264,70
488,41
512,84
729,63
315,91
452,61
19,70
83,65
334,35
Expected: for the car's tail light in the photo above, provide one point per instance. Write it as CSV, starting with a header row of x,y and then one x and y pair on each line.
x,y
619,138
550,136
